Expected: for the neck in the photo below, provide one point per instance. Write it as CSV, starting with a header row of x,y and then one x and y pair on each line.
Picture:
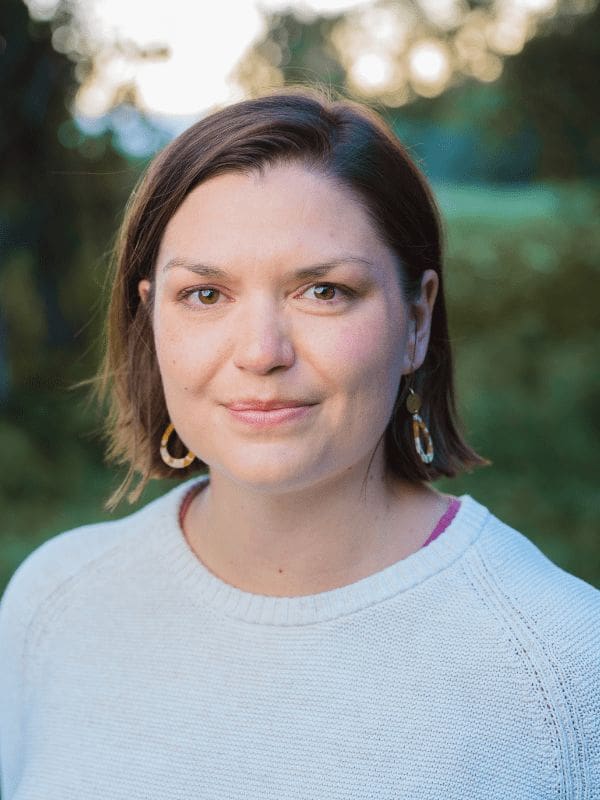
x,y
313,539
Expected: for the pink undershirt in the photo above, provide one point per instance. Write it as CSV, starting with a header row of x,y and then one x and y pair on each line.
x,y
443,521
441,526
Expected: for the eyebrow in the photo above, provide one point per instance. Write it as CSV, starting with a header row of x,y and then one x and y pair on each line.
x,y
313,271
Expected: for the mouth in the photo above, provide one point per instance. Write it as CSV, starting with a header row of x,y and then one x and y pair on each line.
x,y
267,405
276,413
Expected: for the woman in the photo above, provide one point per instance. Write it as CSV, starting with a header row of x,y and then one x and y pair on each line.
x,y
310,618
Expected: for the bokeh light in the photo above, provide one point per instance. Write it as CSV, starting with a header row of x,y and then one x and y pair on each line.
x,y
446,14
371,72
390,50
430,68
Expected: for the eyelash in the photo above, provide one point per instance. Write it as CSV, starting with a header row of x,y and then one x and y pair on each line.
x,y
344,290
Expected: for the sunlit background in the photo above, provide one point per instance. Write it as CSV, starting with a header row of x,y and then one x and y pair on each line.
x,y
496,100
176,59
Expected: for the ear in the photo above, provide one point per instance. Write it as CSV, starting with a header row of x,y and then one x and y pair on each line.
x,y
144,287
421,311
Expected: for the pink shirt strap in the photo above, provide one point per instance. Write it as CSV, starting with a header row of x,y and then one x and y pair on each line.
x,y
444,521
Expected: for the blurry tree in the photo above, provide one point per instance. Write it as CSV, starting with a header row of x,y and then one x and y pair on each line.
x,y
394,52
60,198
60,194
539,120
294,51
551,88
524,322
481,91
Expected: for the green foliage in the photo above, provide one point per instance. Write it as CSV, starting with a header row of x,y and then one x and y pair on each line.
x,y
53,476
524,322
60,198
552,89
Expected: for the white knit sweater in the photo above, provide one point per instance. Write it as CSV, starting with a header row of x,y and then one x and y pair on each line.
x,y
469,670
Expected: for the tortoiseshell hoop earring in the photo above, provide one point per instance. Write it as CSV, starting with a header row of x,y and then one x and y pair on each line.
x,y
413,406
176,463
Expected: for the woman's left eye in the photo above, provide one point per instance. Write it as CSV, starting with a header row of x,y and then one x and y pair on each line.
x,y
327,291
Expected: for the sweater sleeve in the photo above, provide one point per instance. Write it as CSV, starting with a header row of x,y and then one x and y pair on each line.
x,y
28,586
43,573
557,617
574,657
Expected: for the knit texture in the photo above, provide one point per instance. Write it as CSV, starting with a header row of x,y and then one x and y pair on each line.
x,y
469,669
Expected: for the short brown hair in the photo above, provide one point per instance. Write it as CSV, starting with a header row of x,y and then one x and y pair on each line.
x,y
343,140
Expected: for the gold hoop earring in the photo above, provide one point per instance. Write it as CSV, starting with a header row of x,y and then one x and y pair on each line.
x,y
176,463
413,406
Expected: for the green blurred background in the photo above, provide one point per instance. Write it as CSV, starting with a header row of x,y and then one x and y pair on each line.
x,y
511,145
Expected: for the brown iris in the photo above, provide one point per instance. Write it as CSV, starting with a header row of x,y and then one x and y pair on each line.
x,y
208,296
320,292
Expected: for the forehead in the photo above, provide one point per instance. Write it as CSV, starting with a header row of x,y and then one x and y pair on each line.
x,y
285,212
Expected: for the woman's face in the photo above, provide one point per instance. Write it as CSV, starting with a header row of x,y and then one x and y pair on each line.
x,y
275,288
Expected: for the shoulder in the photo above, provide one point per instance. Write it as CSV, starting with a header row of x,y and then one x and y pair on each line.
x,y
552,619
62,559
525,577
49,569
76,570
518,582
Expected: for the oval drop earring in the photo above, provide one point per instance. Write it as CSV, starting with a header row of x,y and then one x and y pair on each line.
x,y
413,406
170,461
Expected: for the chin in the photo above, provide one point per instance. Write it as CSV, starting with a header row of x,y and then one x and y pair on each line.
x,y
273,472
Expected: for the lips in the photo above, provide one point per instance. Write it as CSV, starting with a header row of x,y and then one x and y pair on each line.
x,y
266,405
260,415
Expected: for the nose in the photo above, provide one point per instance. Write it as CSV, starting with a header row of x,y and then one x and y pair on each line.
x,y
262,341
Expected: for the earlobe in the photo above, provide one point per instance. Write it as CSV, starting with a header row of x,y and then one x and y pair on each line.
x,y
411,346
144,287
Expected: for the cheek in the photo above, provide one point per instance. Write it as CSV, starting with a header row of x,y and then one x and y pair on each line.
x,y
366,356
172,350
185,355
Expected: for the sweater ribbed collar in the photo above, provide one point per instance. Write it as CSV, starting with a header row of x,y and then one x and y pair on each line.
x,y
177,556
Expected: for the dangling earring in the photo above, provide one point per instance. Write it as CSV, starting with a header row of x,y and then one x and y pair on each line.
x,y
413,405
176,463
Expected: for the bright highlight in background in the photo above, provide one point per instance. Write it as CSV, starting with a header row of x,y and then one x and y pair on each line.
x,y
205,43
389,48
203,47
371,71
429,65
195,76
